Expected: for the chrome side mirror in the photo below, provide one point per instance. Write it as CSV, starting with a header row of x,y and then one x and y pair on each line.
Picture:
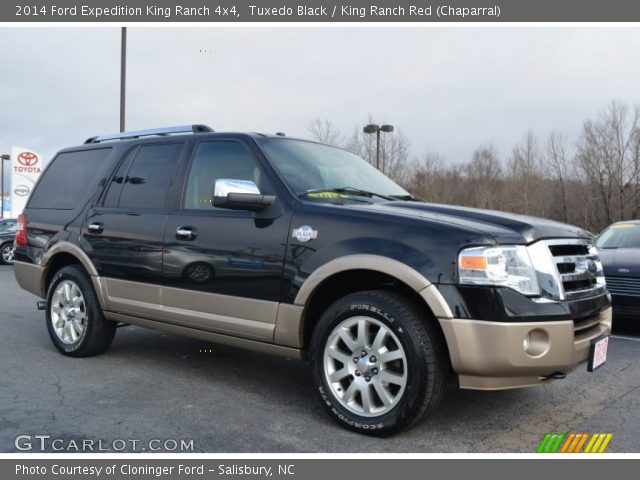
x,y
239,195
225,186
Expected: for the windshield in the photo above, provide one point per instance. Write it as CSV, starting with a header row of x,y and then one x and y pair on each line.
x,y
620,235
9,225
310,169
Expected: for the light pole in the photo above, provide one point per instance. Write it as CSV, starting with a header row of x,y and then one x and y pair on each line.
x,y
3,157
123,75
373,128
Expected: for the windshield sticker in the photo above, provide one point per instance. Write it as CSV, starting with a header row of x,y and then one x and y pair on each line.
x,y
326,195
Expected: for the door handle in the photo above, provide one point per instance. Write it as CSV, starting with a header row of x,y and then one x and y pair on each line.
x,y
186,233
95,227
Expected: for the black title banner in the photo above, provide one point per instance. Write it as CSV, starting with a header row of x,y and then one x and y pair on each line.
x,y
319,11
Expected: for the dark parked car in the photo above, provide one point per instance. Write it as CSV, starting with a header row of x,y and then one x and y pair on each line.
x,y
619,248
296,248
8,224
6,246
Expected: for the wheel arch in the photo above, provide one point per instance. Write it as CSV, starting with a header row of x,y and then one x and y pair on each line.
x,y
354,273
63,254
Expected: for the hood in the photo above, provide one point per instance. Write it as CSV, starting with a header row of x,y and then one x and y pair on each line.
x,y
620,262
504,227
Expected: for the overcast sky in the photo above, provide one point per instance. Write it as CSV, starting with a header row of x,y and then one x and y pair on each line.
x,y
449,89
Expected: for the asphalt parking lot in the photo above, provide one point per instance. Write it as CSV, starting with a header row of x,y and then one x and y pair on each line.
x,y
151,385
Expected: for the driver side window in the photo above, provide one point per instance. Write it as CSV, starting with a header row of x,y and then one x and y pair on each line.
x,y
214,161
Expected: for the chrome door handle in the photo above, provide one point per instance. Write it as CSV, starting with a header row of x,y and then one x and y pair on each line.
x,y
95,227
186,233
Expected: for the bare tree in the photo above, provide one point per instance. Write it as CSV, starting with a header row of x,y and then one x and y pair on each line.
x,y
524,171
394,151
484,173
559,167
325,131
425,179
609,156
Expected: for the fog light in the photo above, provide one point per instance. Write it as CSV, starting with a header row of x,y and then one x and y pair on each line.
x,y
536,343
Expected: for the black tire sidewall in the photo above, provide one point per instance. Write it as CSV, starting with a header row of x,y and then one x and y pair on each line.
x,y
80,279
385,312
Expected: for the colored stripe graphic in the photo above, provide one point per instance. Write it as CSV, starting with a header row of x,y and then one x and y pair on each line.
x,y
581,443
551,442
554,442
598,443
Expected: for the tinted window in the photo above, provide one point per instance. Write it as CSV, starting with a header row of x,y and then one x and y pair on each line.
x,y
216,160
67,179
148,179
115,186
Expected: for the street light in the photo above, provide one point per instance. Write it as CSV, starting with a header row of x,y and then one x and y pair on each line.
x,y
123,75
373,128
3,157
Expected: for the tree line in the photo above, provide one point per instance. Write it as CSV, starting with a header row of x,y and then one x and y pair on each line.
x,y
591,181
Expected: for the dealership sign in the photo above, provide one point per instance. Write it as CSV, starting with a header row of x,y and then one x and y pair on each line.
x,y
26,167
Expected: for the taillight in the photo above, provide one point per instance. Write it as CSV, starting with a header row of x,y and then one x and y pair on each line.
x,y
21,234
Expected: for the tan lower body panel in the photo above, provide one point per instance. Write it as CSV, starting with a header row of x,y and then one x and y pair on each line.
x,y
30,277
228,315
494,355
208,336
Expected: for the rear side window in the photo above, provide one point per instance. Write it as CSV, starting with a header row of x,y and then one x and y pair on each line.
x,y
67,179
112,197
146,183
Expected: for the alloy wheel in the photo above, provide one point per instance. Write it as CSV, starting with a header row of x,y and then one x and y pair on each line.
x,y
365,366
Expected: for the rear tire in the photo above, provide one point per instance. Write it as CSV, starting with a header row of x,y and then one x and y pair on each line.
x,y
6,254
379,364
75,322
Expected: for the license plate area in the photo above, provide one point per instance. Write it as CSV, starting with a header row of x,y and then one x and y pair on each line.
x,y
598,353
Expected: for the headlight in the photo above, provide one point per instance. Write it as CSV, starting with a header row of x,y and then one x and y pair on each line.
x,y
504,266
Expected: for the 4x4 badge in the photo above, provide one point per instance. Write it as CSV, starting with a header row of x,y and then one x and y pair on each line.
x,y
304,233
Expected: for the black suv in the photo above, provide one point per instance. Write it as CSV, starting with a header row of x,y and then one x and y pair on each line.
x,y
304,250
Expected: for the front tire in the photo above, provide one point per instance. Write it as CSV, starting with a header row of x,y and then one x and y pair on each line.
x,y
75,322
378,364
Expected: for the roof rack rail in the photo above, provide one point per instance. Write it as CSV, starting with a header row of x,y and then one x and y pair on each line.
x,y
149,133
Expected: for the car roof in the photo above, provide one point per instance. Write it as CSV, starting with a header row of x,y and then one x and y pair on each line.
x,y
635,222
182,136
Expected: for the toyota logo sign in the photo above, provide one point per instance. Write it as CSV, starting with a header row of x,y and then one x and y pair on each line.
x,y
21,190
28,159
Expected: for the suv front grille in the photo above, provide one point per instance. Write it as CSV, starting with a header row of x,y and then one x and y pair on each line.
x,y
624,286
567,269
567,250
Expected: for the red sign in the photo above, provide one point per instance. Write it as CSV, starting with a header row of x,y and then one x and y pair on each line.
x,y
28,159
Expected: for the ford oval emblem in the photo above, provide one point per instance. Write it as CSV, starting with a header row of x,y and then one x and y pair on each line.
x,y
592,267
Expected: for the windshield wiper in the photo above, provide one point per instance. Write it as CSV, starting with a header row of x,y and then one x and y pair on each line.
x,y
348,191
407,198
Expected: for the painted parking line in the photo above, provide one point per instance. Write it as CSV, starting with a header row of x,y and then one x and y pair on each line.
x,y
624,337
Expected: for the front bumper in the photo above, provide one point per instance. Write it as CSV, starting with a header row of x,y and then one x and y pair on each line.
x,y
493,355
